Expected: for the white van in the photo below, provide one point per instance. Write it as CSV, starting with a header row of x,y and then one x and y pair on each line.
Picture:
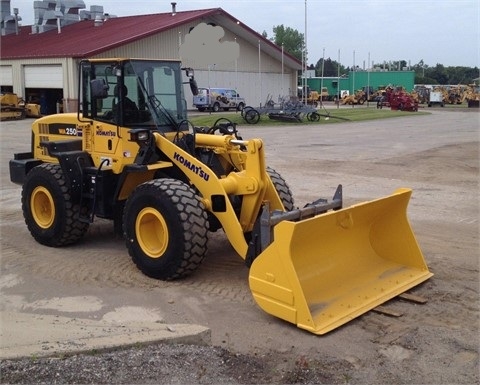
x,y
215,99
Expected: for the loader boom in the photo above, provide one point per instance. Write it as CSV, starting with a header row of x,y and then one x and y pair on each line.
x,y
248,182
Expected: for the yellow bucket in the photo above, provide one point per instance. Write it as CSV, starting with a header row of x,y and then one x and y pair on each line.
x,y
321,272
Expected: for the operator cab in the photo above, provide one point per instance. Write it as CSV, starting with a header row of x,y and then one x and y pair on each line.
x,y
133,93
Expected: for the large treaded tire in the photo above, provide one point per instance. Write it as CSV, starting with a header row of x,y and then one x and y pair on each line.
x,y
49,211
282,189
165,227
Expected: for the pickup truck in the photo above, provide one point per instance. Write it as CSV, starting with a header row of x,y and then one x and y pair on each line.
x,y
215,99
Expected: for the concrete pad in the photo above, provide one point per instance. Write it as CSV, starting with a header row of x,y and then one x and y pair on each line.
x,y
39,335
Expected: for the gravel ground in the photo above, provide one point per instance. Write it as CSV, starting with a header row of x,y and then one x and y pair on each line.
x,y
174,364
436,343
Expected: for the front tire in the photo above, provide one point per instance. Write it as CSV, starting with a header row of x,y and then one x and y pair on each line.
x,y
282,188
165,226
51,215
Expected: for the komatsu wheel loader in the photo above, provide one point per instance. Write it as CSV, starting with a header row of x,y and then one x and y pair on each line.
x,y
166,184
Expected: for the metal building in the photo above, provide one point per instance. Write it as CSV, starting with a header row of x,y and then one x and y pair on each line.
x,y
39,62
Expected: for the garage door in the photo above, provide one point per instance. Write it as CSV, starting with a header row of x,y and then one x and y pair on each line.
x,y
45,76
6,78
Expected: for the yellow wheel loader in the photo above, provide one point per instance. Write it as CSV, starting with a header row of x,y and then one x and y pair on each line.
x,y
166,184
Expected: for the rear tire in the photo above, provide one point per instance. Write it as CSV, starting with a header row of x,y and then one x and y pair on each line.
x,y
49,211
165,226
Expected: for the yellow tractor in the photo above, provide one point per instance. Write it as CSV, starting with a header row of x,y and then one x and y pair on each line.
x,y
11,107
311,97
456,94
166,184
358,97
472,95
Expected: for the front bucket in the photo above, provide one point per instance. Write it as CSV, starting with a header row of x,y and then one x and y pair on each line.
x,y
322,272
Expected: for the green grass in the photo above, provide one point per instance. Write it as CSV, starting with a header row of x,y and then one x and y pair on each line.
x,y
336,115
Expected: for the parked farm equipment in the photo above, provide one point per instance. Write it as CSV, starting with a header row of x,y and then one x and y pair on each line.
x,y
288,109
13,107
422,94
358,97
472,95
397,100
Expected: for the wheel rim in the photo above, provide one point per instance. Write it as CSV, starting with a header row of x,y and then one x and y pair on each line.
x,y
152,232
42,207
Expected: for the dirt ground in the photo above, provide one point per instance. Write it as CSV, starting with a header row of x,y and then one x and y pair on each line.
x,y
437,155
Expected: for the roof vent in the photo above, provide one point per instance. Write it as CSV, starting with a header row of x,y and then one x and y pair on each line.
x,y
174,8
8,23
98,21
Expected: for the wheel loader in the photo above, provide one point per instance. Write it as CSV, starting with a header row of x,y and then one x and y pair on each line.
x,y
130,155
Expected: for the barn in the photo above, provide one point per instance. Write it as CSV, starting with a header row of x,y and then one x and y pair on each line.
x,y
40,62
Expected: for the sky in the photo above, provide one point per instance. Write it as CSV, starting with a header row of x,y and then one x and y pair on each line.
x,y
354,32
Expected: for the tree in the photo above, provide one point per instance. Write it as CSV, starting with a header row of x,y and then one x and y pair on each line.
x,y
424,80
292,40
330,68
440,74
444,75
461,75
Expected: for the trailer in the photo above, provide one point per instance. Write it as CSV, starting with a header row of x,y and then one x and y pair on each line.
x,y
288,109
436,97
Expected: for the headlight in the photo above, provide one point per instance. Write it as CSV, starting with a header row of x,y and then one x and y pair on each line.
x,y
139,135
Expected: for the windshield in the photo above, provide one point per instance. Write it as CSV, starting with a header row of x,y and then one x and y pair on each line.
x,y
134,93
160,85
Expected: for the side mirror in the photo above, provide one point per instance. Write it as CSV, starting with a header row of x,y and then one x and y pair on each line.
x,y
193,86
99,88
191,80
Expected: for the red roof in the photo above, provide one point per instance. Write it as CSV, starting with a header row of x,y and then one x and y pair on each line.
x,y
84,39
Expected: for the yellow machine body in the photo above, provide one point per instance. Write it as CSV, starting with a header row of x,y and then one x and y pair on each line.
x,y
317,267
322,272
